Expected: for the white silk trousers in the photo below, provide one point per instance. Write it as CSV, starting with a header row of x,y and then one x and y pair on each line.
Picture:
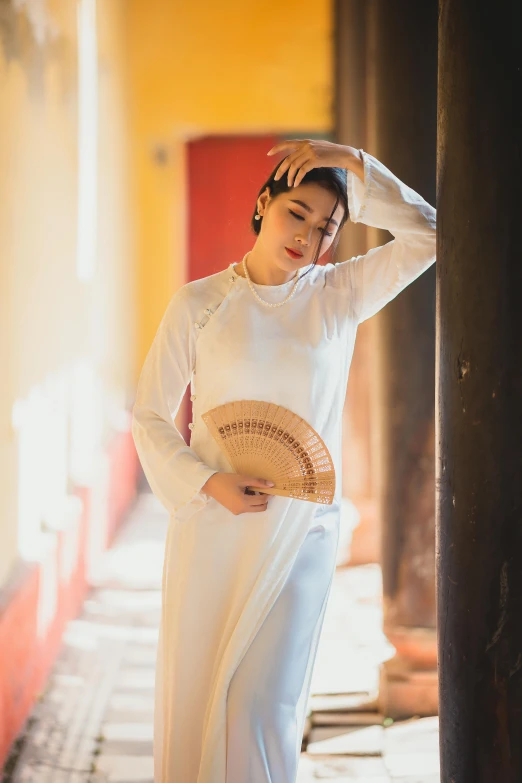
x,y
268,693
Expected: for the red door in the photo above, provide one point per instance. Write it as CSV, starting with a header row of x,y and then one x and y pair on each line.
x,y
225,174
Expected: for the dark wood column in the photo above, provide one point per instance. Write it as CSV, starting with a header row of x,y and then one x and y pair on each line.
x,y
479,460
402,77
350,109
360,429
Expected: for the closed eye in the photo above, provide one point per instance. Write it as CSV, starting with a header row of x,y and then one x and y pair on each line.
x,y
300,217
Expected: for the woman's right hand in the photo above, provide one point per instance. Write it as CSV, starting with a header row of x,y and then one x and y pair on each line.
x,y
229,490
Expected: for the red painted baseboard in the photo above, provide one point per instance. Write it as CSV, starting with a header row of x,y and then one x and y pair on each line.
x,y
42,597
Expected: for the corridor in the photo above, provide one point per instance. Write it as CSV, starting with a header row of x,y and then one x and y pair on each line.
x,y
93,723
134,141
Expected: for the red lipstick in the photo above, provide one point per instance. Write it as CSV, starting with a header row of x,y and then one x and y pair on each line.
x,y
293,253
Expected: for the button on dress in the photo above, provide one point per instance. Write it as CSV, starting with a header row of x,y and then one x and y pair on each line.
x,y
223,573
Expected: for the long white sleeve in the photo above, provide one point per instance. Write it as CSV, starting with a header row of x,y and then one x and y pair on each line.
x,y
173,470
383,201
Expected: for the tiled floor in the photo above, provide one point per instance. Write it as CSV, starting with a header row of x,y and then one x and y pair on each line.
x,y
94,722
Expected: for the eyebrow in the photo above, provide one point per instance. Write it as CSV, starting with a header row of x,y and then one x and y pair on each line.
x,y
309,209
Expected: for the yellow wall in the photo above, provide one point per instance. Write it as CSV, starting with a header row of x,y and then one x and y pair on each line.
x,y
67,345
200,68
168,72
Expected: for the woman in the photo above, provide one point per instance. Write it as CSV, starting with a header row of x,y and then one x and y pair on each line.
x,y
247,576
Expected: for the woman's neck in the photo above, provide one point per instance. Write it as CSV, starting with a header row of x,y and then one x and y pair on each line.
x,y
262,272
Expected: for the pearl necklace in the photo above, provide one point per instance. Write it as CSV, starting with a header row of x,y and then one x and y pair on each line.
x,y
262,301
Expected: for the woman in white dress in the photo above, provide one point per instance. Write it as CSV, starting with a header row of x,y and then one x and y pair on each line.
x,y
247,576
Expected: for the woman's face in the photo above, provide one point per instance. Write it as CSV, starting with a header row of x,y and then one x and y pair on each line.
x,y
295,221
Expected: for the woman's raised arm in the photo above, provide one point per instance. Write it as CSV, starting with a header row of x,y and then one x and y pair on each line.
x,y
383,201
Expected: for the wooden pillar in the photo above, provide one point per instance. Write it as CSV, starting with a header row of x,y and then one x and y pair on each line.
x,y
402,51
360,431
479,459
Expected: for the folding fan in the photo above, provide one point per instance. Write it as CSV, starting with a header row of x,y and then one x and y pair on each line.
x,y
270,442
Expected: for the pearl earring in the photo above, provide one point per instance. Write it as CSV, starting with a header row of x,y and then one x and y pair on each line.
x,y
257,217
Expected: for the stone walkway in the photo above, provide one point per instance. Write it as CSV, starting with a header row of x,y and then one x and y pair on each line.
x,y
93,724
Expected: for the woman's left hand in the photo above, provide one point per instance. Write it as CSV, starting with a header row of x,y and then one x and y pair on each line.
x,y
306,154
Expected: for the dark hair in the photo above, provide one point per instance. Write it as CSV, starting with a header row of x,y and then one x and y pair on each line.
x,y
331,178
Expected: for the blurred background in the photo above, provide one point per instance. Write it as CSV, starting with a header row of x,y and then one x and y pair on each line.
x,y
133,140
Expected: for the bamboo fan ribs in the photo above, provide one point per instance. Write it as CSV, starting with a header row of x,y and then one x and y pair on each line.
x,y
270,442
